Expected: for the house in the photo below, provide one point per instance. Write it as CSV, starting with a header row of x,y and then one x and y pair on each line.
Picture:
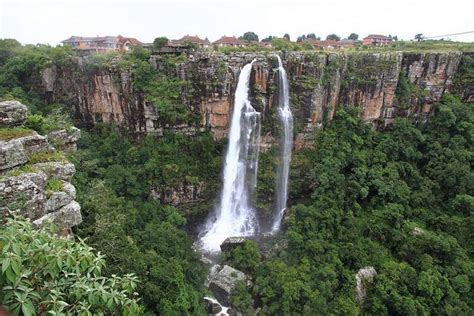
x,y
327,44
229,41
187,39
374,39
346,43
102,43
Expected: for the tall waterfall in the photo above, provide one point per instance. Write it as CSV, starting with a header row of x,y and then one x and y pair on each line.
x,y
286,144
235,214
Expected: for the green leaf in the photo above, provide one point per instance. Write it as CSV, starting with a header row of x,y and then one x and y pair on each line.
x,y
16,267
5,264
28,309
11,276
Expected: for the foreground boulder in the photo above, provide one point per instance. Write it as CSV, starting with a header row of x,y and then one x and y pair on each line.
x,y
231,243
223,282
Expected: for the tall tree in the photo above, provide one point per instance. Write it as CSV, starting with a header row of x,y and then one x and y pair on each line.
x,y
301,38
249,37
160,42
419,37
268,39
286,36
333,37
353,36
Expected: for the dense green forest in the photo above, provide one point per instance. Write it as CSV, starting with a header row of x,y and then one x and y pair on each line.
x,y
400,200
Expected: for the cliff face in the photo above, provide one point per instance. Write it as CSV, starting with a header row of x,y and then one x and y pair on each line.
x,y
320,83
34,177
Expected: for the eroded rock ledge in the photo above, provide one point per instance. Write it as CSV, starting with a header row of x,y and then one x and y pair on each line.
x,y
34,176
320,83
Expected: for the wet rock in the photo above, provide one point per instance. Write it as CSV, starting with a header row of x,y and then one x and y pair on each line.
x,y
58,170
224,281
65,139
364,278
231,243
417,231
12,113
213,307
12,154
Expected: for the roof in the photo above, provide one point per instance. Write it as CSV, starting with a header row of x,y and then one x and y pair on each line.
x,y
102,39
376,36
191,39
229,40
322,43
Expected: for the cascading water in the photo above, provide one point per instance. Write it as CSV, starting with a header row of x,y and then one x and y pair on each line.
x,y
235,214
286,144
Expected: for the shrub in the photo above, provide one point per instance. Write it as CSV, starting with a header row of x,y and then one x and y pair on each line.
x,y
42,273
245,257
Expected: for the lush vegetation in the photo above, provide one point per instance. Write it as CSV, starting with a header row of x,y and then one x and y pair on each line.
x,y
43,273
400,200
362,193
138,235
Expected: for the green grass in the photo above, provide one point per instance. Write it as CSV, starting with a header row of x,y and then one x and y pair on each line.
x,y
28,168
7,134
47,157
53,185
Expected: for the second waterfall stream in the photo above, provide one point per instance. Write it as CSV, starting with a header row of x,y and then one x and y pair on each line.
x,y
286,145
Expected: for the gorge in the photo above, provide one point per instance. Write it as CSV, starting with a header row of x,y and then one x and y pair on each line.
x,y
346,174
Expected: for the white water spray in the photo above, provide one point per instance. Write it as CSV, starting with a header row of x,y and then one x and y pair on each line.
x,y
286,144
235,214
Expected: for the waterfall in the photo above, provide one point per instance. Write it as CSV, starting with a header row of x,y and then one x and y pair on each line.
x,y
286,143
235,214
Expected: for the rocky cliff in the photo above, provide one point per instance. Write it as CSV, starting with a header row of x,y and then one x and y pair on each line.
x,y
383,85
34,175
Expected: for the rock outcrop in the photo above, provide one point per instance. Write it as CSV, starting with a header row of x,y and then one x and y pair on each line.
x,y
12,113
320,83
65,139
231,243
40,191
223,282
182,193
364,277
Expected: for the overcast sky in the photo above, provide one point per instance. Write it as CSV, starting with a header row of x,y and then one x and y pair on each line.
x,y
50,21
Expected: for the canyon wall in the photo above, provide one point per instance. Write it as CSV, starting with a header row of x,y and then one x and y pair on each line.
x,y
383,85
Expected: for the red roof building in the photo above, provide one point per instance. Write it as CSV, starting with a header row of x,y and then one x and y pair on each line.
x,y
187,39
374,39
229,41
102,43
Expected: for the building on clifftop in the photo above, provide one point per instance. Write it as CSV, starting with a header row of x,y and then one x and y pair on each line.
x,y
102,43
229,41
187,40
374,39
